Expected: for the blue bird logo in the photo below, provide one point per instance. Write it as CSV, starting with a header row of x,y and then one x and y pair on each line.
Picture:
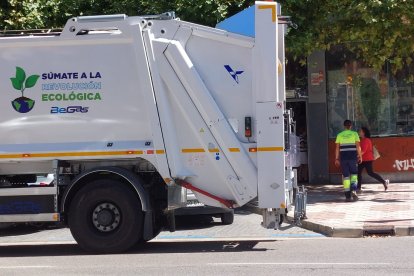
x,y
233,74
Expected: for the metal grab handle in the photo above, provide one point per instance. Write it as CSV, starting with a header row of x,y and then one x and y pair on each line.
x,y
300,205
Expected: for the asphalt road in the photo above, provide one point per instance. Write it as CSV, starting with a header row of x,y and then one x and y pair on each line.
x,y
369,256
246,226
240,249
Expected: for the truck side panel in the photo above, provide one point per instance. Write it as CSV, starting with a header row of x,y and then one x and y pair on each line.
x,y
92,98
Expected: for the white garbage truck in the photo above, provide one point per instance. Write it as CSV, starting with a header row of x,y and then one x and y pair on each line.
x,y
129,112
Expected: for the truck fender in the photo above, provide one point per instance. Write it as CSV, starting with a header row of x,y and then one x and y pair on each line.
x,y
127,175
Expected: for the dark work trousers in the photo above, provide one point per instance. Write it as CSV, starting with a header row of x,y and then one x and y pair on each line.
x,y
368,166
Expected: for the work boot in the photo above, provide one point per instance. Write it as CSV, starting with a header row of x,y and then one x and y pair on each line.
x,y
348,196
387,182
354,196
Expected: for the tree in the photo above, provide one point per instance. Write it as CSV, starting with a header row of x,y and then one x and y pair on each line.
x,y
29,14
375,30
206,12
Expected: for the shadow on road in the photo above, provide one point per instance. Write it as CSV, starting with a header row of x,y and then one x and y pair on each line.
x,y
18,230
147,248
198,247
41,250
190,222
25,229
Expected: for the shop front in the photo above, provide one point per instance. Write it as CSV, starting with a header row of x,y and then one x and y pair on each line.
x,y
341,87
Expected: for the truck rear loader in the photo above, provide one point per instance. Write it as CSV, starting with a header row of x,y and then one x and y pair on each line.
x,y
129,112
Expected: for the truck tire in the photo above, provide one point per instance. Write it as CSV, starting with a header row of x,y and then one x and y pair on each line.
x,y
227,218
105,217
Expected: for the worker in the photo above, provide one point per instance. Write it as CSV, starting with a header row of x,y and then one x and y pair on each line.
x,y
348,156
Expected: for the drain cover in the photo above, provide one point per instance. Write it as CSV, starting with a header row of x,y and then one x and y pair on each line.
x,y
379,231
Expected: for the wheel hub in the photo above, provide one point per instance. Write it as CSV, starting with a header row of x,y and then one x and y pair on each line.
x,y
106,217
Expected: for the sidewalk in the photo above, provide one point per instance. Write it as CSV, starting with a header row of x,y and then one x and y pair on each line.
x,y
376,212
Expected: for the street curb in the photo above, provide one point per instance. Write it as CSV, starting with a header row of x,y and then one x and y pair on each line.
x,y
404,231
340,232
318,228
322,229
308,225
346,232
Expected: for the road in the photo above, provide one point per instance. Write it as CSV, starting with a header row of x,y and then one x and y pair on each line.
x,y
295,254
379,256
246,226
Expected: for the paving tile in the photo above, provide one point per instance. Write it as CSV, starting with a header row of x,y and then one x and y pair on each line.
x,y
328,213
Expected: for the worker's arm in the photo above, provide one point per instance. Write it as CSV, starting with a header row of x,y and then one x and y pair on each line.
x,y
337,163
358,146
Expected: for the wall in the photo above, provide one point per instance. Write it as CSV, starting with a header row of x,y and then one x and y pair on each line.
x,y
396,161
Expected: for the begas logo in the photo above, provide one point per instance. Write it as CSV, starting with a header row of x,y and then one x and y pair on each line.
x,y
21,83
69,109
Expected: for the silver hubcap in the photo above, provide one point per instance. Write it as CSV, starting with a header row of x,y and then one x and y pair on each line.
x,y
106,217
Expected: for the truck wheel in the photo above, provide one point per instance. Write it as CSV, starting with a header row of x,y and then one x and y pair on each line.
x,y
227,218
106,217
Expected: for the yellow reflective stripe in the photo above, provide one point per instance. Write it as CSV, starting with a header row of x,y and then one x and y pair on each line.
x,y
117,153
270,149
272,7
210,150
192,150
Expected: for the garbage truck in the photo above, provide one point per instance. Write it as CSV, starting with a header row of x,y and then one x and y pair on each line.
x,y
129,112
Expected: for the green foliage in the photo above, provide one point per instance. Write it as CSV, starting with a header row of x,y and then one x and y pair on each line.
x,y
206,12
370,98
30,14
375,30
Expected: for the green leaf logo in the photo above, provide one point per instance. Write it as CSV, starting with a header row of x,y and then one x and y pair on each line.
x,y
20,74
31,81
20,82
17,84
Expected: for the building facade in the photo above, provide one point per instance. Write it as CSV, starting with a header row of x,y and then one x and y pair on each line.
x,y
341,87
